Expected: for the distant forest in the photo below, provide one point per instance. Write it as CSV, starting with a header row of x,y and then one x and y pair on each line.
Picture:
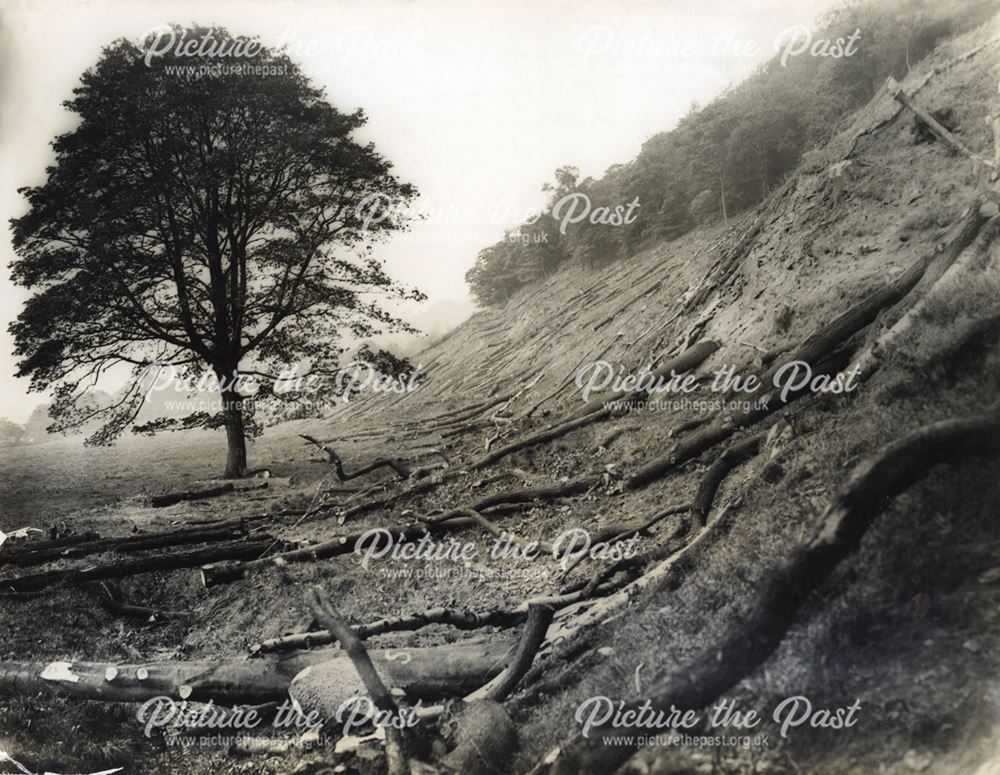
x,y
728,155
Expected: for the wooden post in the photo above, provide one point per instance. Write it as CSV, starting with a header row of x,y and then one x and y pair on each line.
x,y
994,123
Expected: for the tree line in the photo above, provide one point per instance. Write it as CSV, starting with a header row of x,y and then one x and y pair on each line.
x,y
728,155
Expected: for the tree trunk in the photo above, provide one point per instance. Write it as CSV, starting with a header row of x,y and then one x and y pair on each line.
x,y
236,454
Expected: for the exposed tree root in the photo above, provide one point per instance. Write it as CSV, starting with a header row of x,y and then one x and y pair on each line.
x,y
462,620
400,467
818,346
855,507
113,601
539,617
717,472
597,410
222,573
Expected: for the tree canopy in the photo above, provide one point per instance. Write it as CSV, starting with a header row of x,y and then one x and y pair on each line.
x,y
205,220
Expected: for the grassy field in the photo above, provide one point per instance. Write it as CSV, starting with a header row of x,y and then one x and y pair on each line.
x,y
40,484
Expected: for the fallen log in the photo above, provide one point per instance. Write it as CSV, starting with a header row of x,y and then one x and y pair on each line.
x,y
116,570
427,674
224,572
867,491
170,498
461,620
423,673
10,551
222,531
892,86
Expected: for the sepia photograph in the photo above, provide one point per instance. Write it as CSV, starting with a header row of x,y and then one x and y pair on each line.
x,y
500,387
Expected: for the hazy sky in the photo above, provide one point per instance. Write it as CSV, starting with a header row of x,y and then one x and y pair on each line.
x,y
475,102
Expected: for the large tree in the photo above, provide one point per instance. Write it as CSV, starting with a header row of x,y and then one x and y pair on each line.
x,y
211,219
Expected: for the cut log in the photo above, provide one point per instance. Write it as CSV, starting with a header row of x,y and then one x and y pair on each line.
x,y
867,491
423,673
461,620
11,551
223,531
116,570
224,572
427,674
170,498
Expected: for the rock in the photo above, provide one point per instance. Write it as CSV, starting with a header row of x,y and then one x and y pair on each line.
x,y
972,645
483,736
991,576
917,762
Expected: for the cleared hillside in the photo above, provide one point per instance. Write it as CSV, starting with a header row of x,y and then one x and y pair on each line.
x,y
904,625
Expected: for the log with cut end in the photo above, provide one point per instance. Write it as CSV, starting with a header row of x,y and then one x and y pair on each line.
x,y
423,673
223,531
170,498
868,490
235,550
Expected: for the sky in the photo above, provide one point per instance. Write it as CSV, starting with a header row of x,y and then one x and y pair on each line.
x,y
475,102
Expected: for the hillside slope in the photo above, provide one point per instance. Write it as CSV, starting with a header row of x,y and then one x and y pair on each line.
x,y
906,627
